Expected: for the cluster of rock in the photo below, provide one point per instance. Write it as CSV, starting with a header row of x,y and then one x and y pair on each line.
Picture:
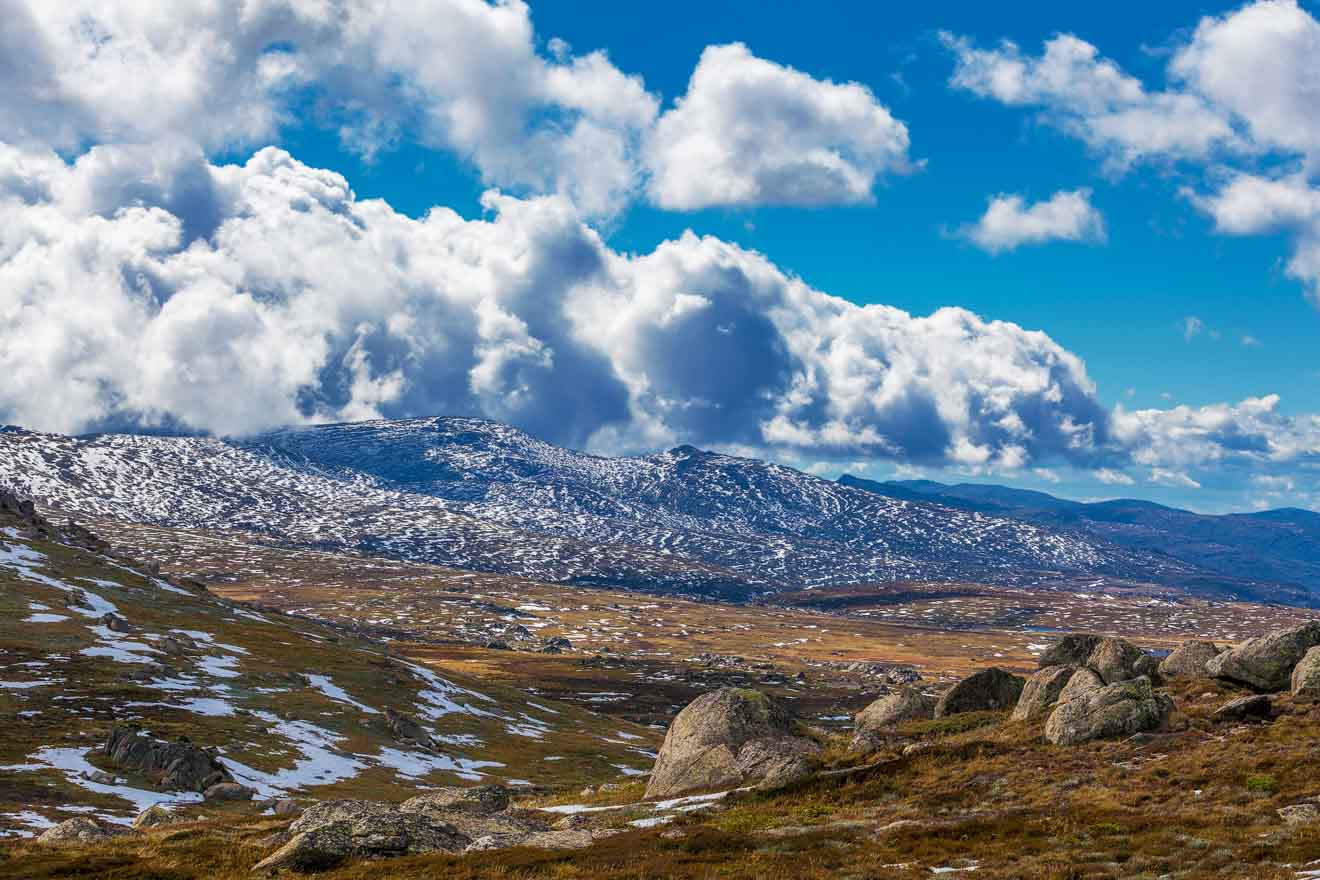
x,y
453,820
69,533
172,766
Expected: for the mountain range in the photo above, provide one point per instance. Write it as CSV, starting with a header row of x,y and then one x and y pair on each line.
x,y
479,495
1281,546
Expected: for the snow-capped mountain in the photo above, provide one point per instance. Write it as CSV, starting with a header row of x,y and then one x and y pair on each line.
x,y
475,494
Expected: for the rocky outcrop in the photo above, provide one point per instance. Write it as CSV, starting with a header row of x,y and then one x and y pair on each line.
x,y
1266,662
1119,709
728,738
1254,706
1042,691
173,766
331,831
905,704
81,830
444,820
1305,679
1189,660
1111,658
988,690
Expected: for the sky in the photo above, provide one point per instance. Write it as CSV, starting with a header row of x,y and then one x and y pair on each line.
x,y
1051,246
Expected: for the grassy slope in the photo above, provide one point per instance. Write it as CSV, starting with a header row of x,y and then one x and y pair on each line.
x,y
81,697
1196,802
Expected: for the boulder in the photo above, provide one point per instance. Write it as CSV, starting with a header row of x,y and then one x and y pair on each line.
x,y
989,689
228,791
331,831
1083,681
1306,677
173,766
409,729
1189,660
1254,706
1042,691
1267,662
728,738
905,704
81,830
153,816
287,807
1111,658
1118,709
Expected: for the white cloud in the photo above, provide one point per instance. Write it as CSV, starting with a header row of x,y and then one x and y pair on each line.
x,y
1242,89
1252,435
1175,479
1261,64
752,132
459,74
1191,327
1009,222
1113,477
1093,99
297,302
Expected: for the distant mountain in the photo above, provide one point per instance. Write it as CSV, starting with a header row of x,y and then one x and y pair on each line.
x,y
1274,545
475,494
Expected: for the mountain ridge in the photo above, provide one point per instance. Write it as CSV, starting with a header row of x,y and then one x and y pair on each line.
x,y
471,493
1281,544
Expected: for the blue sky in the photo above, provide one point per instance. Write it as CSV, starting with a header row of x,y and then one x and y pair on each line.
x,y
1163,307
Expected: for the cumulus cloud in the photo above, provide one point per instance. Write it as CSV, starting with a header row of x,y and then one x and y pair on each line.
x,y
1010,222
752,132
460,74
1253,435
303,303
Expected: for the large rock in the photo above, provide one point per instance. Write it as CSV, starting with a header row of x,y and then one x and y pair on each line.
x,y
574,838
81,830
173,766
989,689
1118,709
409,730
1111,658
331,831
1306,677
1189,660
1042,691
153,816
728,738
1267,662
905,704
1083,681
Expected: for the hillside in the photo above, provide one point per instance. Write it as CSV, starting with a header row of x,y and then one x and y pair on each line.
x,y
482,496
90,641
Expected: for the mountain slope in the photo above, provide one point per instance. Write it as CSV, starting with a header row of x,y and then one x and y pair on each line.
x,y
474,494
1281,546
